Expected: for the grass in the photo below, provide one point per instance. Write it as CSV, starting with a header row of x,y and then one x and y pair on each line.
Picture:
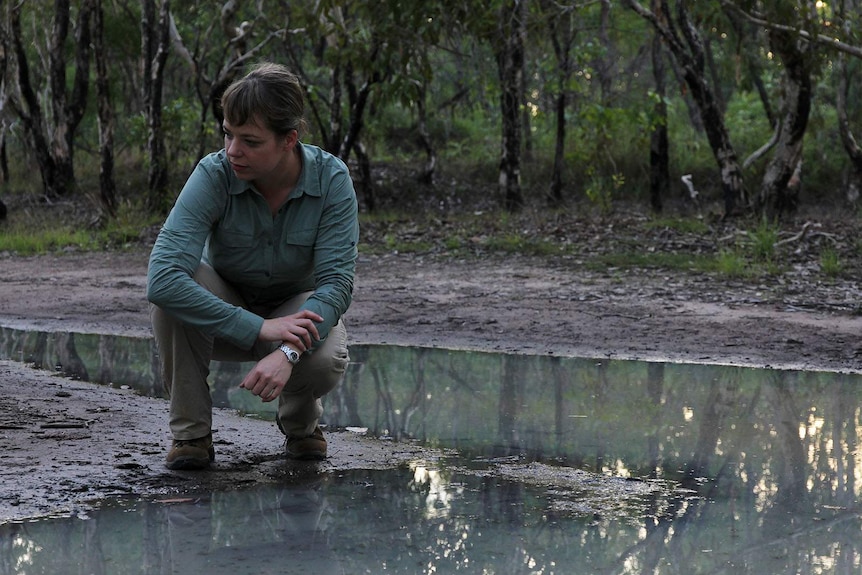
x,y
45,230
39,241
670,261
830,263
732,264
681,225
673,244
763,240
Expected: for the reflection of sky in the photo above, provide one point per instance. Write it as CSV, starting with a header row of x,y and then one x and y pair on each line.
x,y
432,518
439,491
764,462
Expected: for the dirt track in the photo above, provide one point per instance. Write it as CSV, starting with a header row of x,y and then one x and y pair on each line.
x,y
512,305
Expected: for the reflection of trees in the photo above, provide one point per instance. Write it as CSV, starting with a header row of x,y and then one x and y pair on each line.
x,y
510,404
716,406
342,404
790,455
105,359
600,399
226,377
39,356
68,361
655,385
93,561
8,557
158,380
156,545
841,481
107,354
397,418
560,379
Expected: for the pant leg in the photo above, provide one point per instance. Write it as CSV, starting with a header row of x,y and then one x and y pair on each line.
x,y
316,374
185,353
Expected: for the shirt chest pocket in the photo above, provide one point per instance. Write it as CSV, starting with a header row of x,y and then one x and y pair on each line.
x,y
300,238
233,252
297,248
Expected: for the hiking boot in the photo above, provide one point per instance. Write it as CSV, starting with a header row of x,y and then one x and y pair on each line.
x,y
311,448
191,454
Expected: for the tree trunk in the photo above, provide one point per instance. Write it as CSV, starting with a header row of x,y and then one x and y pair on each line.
x,y
562,34
358,100
659,154
426,176
745,33
155,38
509,53
69,109
4,121
688,51
52,143
107,186
776,196
366,186
555,192
604,64
336,121
851,146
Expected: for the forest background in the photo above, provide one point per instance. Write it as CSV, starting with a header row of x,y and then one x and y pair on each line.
x,y
503,125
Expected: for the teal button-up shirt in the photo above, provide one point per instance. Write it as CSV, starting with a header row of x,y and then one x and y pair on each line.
x,y
309,245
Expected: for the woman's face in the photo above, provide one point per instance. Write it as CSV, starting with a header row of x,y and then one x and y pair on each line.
x,y
254,152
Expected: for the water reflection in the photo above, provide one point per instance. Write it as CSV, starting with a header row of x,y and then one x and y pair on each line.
x,y
770,460
422,520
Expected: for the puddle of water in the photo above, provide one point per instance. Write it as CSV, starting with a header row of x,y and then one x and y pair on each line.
x,y
610,466
422,520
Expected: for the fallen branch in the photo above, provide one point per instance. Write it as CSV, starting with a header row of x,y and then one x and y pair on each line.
x,y
796,237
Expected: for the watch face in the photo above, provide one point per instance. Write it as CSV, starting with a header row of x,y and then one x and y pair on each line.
x,y
292,354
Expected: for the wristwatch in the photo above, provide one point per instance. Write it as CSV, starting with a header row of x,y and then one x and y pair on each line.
x,y
292,354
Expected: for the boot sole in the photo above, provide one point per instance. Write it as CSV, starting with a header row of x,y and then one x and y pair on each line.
x,y
188,464
308,456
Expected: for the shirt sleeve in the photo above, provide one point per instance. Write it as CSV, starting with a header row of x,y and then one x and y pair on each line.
x,y
335,253
176,256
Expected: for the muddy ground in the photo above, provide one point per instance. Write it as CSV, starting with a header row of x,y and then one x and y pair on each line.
x,y
67,444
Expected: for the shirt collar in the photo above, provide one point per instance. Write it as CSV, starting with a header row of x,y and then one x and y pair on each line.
x,y
307,184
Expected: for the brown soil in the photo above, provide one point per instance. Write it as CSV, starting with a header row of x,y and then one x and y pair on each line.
x,y
68,444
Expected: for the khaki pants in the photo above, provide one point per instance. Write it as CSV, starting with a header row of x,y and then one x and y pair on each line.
x,y
185,353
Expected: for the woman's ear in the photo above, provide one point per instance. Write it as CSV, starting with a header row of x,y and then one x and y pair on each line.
x,y
290,140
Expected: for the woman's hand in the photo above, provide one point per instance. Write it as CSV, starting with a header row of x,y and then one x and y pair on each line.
x,y
268,377
297,330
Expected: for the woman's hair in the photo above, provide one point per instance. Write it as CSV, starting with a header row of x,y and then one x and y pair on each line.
x,y
270,94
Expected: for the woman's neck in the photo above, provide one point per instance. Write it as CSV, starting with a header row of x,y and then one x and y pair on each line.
x,y
277,188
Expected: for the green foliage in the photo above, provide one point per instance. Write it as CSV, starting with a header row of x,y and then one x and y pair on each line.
x,y
732,264
38,241
763,240
660,260
600,190
33,232
830,263
443,52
